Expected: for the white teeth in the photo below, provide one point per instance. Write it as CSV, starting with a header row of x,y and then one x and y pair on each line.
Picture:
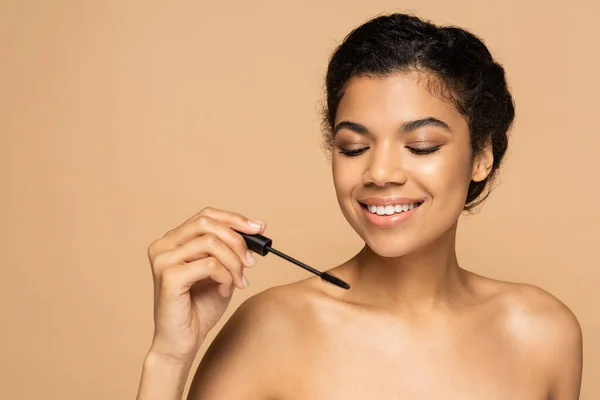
x,y
391,209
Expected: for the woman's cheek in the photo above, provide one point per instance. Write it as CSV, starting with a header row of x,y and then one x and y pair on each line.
x,y
440,176
433,171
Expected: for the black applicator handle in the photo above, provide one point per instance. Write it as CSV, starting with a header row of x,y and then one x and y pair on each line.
x,y
262,245
257,243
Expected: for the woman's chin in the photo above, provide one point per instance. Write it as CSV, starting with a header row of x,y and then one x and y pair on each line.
x,y
389,249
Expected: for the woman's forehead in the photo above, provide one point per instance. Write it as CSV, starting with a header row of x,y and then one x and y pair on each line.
x,y
396,97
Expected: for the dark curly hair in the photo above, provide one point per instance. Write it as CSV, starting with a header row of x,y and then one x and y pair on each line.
x,y
466,74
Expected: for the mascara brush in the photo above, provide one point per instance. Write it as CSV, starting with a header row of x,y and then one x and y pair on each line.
x,y
262,245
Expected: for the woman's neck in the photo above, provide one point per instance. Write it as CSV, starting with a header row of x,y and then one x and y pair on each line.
x,y
417,283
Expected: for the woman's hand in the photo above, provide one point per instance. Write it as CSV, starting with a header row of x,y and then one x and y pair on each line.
x,y
196,267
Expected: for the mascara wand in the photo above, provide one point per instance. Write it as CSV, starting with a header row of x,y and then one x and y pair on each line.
x,y
262,245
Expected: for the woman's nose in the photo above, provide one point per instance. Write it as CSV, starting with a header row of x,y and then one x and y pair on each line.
x,y
385,167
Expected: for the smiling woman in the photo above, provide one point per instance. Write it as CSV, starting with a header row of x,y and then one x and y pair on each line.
x,y
412,149
416,125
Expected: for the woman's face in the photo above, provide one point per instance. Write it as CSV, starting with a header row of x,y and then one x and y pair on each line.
x,y
402,162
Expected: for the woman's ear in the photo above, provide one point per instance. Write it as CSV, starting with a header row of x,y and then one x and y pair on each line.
x,y
483,161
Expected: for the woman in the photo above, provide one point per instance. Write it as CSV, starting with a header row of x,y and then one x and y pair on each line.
x,y
417,118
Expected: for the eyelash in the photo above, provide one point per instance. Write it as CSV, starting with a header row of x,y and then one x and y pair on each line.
x,y
420,152
353,153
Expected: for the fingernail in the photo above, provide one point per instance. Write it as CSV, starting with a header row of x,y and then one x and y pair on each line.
x,y
250,258
255,224
245,281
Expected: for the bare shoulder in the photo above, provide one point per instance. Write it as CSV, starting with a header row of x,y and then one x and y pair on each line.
x,y
544,330
280,310
534,315
255,345
528,312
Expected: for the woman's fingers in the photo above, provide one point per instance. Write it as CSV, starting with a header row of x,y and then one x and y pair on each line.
x,y
191,264
234,220
208,245
210,234
204,225
218,222
180,278
231,219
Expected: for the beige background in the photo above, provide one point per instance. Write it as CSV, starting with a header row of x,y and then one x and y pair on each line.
x,y
118,119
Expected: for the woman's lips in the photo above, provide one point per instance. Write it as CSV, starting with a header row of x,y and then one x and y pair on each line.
x,y
388,220
390,200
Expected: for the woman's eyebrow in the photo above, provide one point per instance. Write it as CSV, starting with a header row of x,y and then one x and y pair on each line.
x,y
406,127
419,123
353,126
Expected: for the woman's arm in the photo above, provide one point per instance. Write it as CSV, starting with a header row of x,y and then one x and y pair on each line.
x,y
567,357
195,268
239,362
163,378
552,337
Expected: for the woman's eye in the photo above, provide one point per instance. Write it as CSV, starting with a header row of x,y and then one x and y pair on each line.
x,y
423,150
353,153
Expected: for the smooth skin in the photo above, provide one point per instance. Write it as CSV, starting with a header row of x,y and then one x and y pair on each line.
x,y
415,325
